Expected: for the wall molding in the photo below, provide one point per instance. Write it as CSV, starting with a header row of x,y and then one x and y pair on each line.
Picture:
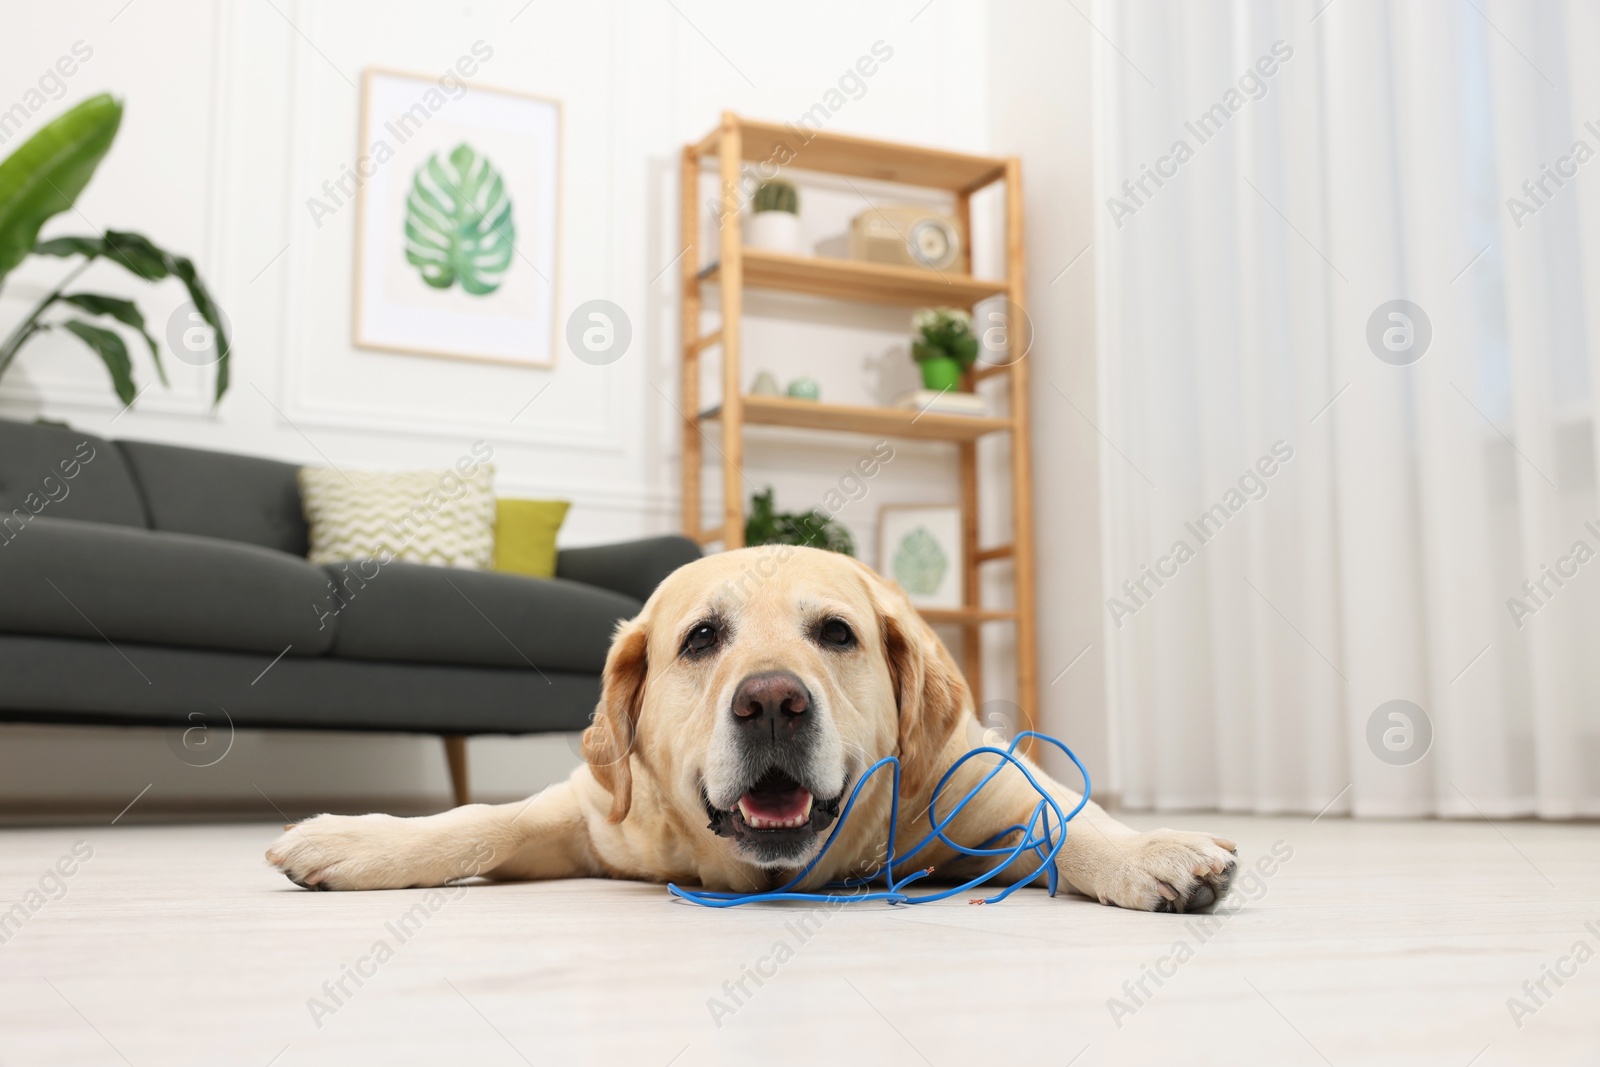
x,y
602,437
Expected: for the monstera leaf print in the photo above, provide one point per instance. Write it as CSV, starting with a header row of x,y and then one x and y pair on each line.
x,y
919,563
458,223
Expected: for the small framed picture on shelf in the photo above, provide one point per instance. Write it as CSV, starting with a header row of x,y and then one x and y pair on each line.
x,y
919,547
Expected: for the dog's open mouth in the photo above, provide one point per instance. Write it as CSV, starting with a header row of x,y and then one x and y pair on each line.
x,y
776,802
775,809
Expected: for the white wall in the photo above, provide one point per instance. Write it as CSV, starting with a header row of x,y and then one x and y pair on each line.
x,y
236,114
1041,84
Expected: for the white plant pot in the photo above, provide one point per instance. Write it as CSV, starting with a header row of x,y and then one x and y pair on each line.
x,y
775,231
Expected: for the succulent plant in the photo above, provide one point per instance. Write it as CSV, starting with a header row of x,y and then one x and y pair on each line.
x,y
777,196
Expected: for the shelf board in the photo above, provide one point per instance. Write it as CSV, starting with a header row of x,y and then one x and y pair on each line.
x,y
837,153
964,616
873,283
852,418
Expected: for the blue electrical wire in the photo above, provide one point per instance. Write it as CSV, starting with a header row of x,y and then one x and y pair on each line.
x,y
1037,837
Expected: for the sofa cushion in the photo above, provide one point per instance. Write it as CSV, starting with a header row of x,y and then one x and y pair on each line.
x,y
525,535
213,690
217,494
444,518
85,579
65,474
417,613
632,568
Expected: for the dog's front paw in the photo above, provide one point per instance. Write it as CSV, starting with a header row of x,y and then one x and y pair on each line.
x,y
1170,870
341,852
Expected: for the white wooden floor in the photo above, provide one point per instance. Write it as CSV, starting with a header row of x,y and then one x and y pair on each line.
x,y
1374,943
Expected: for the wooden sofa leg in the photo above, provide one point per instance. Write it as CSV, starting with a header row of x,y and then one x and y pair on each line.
x,y
455,752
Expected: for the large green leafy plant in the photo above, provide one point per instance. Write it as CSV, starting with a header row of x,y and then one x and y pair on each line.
x,y
40,180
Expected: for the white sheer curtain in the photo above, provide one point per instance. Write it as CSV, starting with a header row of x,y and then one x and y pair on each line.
x,y
1358,153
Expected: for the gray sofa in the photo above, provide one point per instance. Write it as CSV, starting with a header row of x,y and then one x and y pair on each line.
x,y
149,585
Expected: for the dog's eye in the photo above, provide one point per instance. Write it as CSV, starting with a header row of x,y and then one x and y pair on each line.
x,y
836,633
703,637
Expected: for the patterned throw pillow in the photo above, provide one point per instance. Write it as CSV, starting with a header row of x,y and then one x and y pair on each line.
x,y
444,518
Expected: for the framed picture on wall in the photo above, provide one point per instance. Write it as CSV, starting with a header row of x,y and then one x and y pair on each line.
x,y
919,547
457,220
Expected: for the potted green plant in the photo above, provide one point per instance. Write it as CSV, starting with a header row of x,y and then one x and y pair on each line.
x,y
43,178
811,529
944,346
775,222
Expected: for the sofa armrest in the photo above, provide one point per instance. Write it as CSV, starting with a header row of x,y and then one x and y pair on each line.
x,y
633,568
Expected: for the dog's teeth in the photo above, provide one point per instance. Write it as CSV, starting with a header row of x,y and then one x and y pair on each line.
x,y
759,822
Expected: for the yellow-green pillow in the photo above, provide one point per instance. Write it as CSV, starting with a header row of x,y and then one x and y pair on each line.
x,y
525,535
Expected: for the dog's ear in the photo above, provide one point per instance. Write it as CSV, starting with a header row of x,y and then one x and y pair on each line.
x,y
929,690
608,741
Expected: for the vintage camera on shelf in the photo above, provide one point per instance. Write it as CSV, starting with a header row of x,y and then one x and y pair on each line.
x,y
907,236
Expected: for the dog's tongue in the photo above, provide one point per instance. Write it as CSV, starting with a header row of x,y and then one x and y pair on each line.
x,y
788,805
776,805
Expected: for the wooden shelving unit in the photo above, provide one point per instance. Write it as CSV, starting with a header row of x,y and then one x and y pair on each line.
x,y
733,269
849,418
870,283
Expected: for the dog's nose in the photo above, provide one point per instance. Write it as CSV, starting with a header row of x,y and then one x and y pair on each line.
x,y
776,696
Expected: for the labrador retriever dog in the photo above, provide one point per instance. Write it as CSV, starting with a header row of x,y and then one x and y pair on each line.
x,y
736,713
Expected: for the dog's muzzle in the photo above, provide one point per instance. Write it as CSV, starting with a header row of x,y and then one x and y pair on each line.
x,y
776,819
777,815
